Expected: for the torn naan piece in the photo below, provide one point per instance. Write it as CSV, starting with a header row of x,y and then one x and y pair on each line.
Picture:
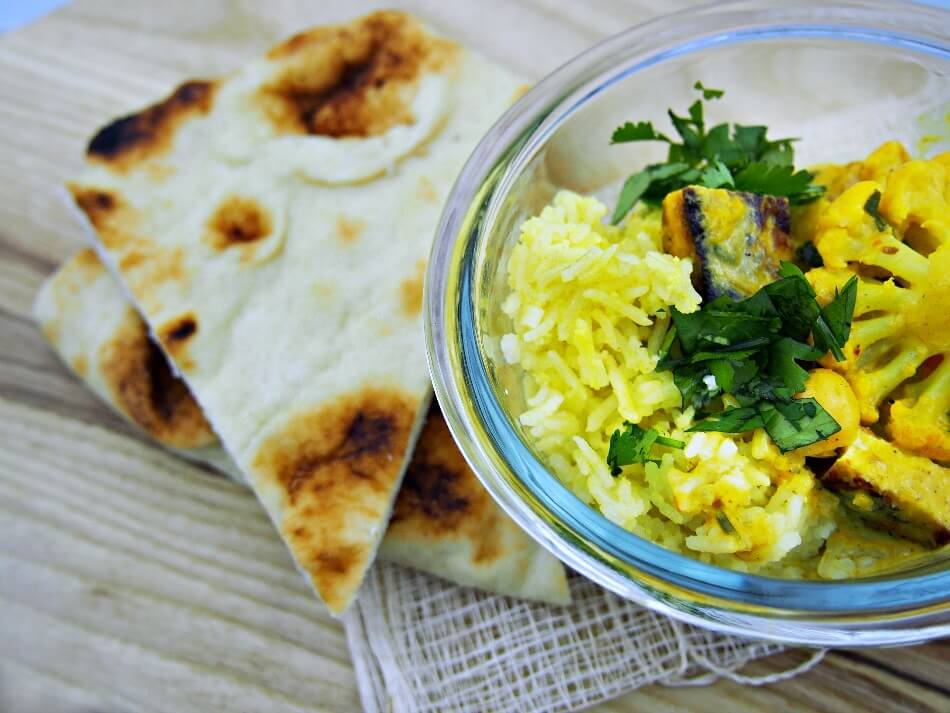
x,y
96,332
447,524
444,522
272,229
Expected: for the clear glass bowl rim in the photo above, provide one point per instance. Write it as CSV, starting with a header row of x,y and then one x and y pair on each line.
x,y
877,611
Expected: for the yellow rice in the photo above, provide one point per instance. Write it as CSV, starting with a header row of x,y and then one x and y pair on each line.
x,y
587,306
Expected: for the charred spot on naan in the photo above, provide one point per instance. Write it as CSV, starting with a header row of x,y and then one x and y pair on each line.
x,y
133,259
149,268
147,392
410,291
138,137
441,496
353,80
348,230
109,214
175,337
238,220
179,331
338,562
99,204
332,464
88,266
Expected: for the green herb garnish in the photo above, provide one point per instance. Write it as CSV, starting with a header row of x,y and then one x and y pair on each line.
x,y
632,445
870,207
727,156
833,327
708,93
790,424
752,349
724,522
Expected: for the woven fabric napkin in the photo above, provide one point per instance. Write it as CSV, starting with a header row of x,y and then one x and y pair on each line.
x,y
420,644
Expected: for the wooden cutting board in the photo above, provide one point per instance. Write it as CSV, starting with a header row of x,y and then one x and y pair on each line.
x,y
131,581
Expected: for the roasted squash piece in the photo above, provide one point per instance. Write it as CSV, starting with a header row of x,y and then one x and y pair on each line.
x,y
737,240
893,490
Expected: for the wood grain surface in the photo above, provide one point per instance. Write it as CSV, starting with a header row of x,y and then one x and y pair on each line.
x,y
131,581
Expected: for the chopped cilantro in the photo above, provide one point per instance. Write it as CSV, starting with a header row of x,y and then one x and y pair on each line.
x,y
870,207
776,179
670,442
783,367
736,419
717,175
794,301
633,189
633,444
797,423
724,522
641,131
724,371
638,183
727,155
707,92
753,348
790,269
833,326
689,381
790,424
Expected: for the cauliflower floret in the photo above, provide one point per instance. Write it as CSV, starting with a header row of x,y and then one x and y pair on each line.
x,y
881,352
929,320
917,203
920,421
900,342
848,236
884,159
837,178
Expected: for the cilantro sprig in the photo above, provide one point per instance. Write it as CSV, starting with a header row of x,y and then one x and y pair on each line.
x,y
732,156
633,444
752,349
871,208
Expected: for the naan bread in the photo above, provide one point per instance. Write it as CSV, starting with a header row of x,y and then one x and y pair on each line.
x,y
86,318
272,228
443,523
447,524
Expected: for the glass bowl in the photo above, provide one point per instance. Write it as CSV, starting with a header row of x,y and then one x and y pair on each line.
x,y
842,76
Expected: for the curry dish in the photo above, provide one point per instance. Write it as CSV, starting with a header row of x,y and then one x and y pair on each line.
x,y
746,363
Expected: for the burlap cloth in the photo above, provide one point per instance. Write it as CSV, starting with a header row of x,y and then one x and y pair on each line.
x,y
420,644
